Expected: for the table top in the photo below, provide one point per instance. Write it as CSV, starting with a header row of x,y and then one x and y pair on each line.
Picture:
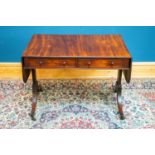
x,y
90,46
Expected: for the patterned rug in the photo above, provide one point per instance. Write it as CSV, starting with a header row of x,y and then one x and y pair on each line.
x,y
78,104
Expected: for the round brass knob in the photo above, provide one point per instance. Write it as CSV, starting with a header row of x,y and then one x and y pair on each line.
x,y
112,62
89,62
40,62
64,63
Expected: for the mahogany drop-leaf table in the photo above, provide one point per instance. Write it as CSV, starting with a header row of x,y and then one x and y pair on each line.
x,y
76,51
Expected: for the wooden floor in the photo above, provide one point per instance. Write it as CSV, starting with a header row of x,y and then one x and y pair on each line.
x,y
13,71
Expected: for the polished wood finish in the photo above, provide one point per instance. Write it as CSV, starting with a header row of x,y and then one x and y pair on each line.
x,y
118,90
76,51
110,63
49,63
89,46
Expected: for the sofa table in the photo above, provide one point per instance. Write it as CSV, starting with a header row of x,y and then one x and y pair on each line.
x,y
76,51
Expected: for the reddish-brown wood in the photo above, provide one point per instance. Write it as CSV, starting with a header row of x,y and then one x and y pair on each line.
x,y
58,51
110,63
50,63
95,46
77,51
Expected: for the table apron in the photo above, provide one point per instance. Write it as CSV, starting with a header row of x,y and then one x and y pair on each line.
x,y
86,63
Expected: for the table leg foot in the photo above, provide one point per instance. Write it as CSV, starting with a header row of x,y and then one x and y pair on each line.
x,y
122,117
120,110
32,117
33,108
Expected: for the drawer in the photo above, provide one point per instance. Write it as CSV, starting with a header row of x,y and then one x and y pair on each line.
x,y
103,63
49,63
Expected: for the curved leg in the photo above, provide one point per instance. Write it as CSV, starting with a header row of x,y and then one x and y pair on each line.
x,y
35,90
118,90
120,106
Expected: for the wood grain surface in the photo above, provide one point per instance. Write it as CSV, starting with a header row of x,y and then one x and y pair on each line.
x,y
90,46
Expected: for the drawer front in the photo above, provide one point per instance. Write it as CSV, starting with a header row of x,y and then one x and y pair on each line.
x,y
103,63
49,63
